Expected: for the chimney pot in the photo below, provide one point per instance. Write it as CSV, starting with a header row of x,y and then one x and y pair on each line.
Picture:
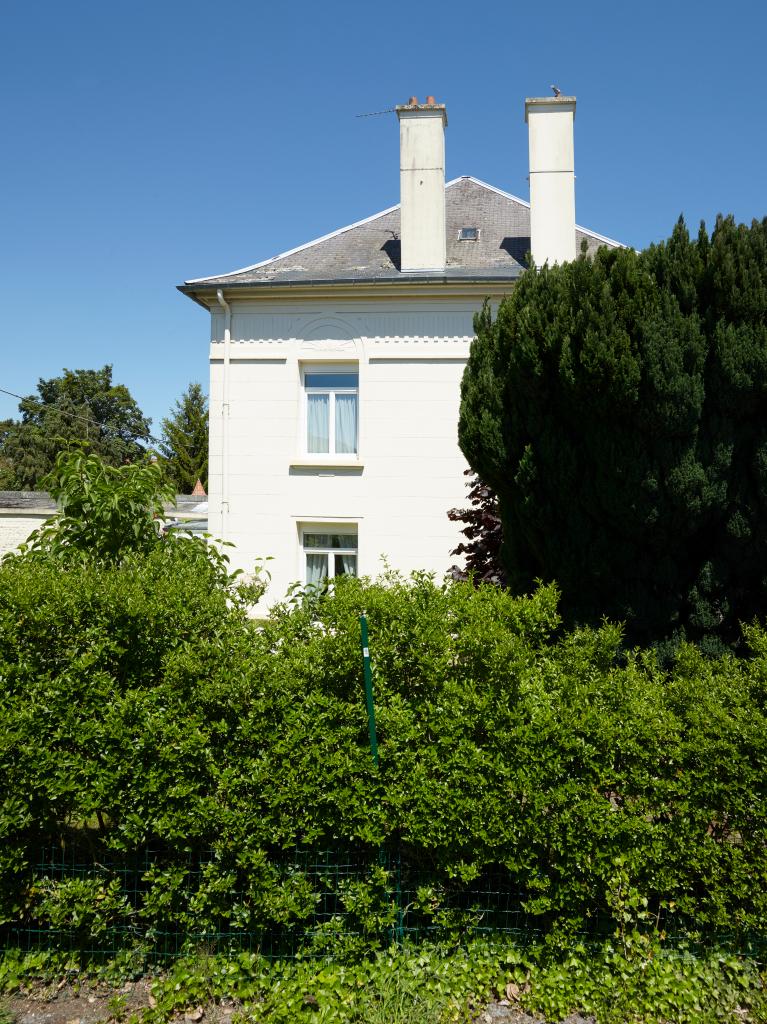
x,y
413,101
430,101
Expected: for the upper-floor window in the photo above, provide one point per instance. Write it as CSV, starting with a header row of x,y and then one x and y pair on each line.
x,y
332,395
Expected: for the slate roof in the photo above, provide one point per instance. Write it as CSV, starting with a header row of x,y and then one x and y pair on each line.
x,y
37,501
370,249
26,502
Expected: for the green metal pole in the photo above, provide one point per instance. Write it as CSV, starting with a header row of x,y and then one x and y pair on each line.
x,y
368,675
398,929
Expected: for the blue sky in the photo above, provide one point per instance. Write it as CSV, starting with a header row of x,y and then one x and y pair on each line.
x,y
146,143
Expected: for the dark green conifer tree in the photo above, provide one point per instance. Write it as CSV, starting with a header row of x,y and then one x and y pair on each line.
x,y
185,440
618,408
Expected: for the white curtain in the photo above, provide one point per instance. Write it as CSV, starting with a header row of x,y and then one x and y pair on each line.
x,y
346,565
316,568
346,423
318,437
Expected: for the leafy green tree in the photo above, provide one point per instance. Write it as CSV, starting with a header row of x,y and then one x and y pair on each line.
x,y
618,408
109,514
185,440
79,406
106,511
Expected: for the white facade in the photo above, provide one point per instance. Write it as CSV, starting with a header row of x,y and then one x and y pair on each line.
x,y
394,493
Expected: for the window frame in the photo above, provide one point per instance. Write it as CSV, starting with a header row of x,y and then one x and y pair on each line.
x,y
328,369
345,530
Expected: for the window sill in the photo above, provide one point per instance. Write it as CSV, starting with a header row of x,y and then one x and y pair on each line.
x,y
327,461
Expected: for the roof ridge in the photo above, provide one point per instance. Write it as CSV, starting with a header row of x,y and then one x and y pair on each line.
x,y
490,188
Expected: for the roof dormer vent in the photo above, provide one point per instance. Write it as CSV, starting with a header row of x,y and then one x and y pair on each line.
x,y
468,235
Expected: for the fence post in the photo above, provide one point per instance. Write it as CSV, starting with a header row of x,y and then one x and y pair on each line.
x,y
368,677
398,930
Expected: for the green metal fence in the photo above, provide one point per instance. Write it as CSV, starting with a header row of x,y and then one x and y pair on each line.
x,y
489,904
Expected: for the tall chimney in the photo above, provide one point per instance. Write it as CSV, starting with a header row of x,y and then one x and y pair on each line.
x,y
422,185
552,178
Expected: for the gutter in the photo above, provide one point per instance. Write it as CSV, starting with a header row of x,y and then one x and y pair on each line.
x,y
192,289
202,295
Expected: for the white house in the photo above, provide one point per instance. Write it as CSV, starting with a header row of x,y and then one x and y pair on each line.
x,y
336,366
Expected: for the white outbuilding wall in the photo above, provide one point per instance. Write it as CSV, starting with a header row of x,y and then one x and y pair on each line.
x,y
16,526
408,472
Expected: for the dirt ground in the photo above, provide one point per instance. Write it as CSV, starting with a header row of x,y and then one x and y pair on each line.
x,y
63,1004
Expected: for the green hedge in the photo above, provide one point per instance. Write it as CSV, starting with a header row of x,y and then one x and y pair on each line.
x,y
143,716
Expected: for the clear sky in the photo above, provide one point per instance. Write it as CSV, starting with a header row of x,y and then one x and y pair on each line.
x,y
146,143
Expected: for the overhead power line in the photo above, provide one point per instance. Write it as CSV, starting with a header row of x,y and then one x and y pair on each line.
x,y
90,420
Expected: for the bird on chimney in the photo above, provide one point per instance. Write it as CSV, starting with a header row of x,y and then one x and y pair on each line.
x,y
556,90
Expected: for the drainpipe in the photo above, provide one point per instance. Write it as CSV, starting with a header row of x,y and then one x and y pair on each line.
x,y
225,417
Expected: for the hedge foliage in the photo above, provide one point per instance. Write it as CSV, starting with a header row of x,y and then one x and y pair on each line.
x,y
140,710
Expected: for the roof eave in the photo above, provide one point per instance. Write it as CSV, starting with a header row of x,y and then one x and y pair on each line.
x,y
194,290
190,293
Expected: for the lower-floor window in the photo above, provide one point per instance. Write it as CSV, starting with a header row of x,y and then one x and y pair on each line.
x,y
330,553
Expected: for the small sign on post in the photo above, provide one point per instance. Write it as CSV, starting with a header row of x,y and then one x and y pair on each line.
x,y
368,677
